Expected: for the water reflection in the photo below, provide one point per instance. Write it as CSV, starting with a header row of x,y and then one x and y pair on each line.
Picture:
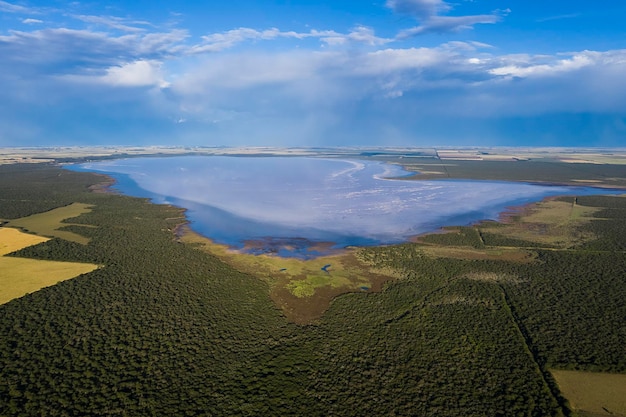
x,y
289,205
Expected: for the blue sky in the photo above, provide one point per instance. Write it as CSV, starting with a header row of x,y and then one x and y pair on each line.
x,y
313,73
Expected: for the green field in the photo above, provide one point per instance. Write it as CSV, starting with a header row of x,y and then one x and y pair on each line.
x,y
50,222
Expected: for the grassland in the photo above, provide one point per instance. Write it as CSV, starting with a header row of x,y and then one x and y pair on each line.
x,y
551,223
20,276
593,394
50,223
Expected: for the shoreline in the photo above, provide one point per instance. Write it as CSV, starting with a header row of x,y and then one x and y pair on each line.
x,y
266,247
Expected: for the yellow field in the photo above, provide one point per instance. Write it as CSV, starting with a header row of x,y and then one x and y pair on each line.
x,y
593,393
47,223
12,240
20,276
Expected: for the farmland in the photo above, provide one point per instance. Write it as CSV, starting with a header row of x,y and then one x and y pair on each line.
x,y
475,321
594,394
50,223
20,276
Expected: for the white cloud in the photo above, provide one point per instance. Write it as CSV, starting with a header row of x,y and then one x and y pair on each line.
x,y
14,8
71,51
454,78
240,71
217,42
140,73
314,82
359,34
529,69
31,21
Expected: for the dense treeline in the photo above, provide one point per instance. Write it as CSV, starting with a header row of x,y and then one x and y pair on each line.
x,y
496,239
572,304
164,329
610,226
430,345
26,189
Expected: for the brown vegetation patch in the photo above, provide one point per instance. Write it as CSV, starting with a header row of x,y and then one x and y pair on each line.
x,y
495,254
51,222
104,186
493,277
593,393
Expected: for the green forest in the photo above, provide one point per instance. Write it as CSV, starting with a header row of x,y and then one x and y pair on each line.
x,y
165,329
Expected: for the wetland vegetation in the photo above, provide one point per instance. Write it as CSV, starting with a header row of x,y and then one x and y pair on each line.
x,y
471,322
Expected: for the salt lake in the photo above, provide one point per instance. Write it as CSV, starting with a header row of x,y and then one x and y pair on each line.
x,y
288,205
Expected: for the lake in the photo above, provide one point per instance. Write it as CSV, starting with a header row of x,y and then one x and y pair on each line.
x,y
292,206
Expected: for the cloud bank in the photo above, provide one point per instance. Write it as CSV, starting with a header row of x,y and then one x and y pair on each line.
x,y
90,78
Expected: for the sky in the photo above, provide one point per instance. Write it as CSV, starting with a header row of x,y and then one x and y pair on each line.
x,y
313,73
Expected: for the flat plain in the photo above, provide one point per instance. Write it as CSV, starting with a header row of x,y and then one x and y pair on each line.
x,y
476,320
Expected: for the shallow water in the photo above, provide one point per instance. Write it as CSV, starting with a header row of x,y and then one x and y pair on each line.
x,y
286,205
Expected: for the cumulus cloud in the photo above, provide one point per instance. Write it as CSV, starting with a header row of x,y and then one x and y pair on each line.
x,y
332,68
140,73
516,67
318,82
455,79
